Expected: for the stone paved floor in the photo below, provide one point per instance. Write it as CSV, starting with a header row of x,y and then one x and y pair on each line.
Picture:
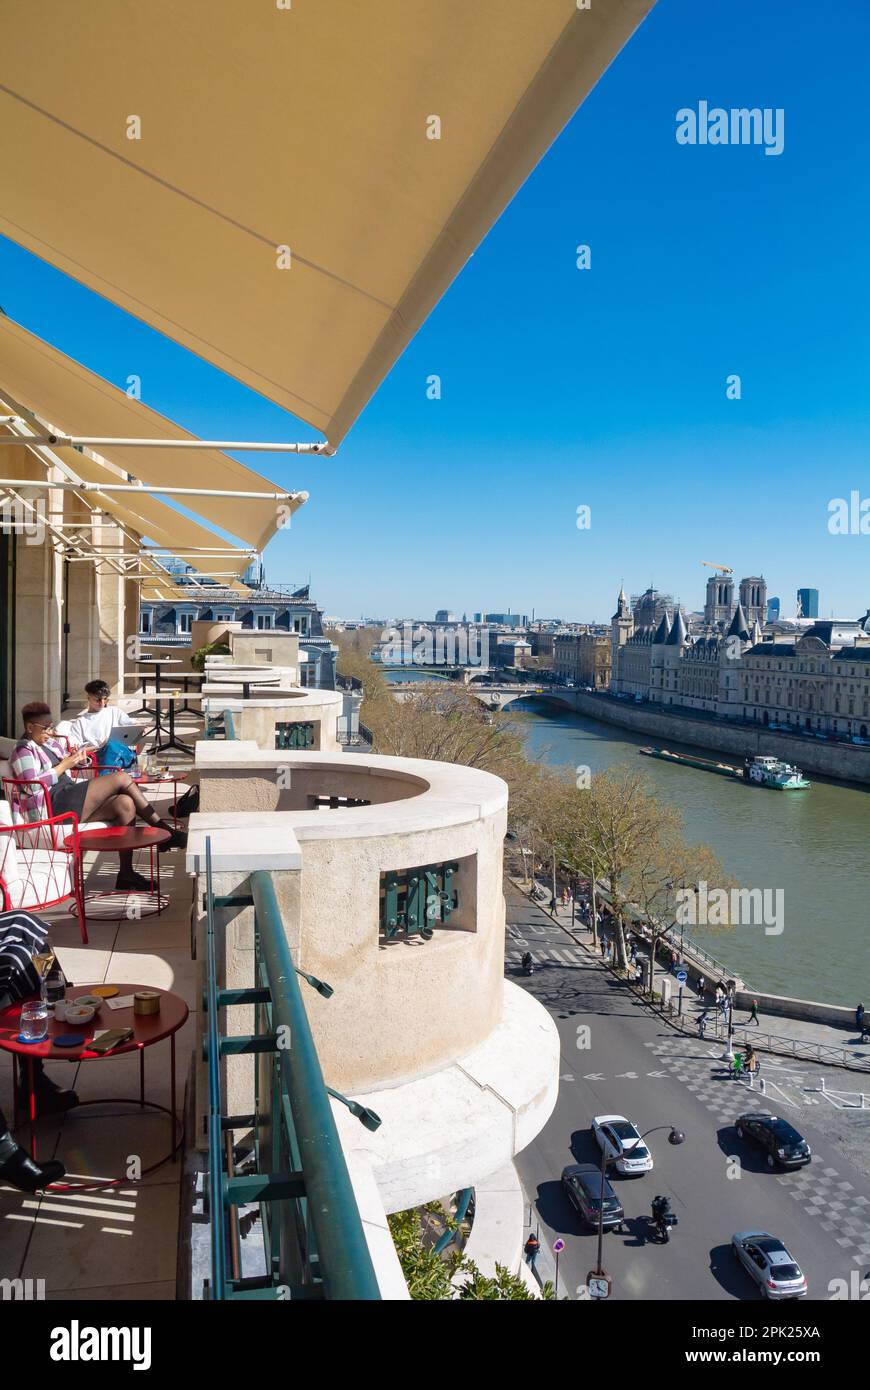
x,y
119,1242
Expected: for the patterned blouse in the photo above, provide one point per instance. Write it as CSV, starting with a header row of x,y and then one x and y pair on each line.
x,y
31,763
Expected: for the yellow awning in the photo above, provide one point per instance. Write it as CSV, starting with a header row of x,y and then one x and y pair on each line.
x,y
66,395
306,127
140,514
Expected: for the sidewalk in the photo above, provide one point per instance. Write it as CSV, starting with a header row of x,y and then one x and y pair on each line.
x,y
819,1042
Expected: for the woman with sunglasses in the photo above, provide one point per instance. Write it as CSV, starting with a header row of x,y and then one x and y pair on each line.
x,y
114,798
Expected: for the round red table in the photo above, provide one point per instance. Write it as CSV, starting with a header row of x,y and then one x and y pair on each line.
x,y
147,1030
113,906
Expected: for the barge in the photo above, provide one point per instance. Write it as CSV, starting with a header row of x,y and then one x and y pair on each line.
x,y
763,770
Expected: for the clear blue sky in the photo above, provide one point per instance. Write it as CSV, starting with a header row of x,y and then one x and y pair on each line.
x,y
603,387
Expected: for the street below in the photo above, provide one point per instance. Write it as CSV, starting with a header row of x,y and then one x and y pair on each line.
x,y
619,1058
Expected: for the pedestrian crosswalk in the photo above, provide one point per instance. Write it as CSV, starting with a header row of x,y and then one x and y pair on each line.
x,y
546,955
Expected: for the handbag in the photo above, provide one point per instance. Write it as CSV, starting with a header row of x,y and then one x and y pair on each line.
x,y
113,755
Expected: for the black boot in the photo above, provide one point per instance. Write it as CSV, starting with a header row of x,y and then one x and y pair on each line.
x,y
177,838
49,1097
129,881
27,1175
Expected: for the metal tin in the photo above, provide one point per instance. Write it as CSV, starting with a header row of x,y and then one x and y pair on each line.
x,y
145,1001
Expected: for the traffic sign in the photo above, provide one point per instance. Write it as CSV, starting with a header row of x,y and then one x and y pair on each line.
x,y
682,976
558,1246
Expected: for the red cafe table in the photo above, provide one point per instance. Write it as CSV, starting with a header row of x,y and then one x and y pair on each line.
x,y
147,1030
112,906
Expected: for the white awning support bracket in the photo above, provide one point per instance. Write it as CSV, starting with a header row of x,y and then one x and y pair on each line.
x,y
81,441
81,486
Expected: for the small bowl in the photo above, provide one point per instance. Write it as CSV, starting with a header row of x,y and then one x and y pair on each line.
x,y
92,1001
75,1012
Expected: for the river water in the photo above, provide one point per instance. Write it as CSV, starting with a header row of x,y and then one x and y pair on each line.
x,y
813,845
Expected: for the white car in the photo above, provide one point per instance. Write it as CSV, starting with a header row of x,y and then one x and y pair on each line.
x,y
622,1144
767,1261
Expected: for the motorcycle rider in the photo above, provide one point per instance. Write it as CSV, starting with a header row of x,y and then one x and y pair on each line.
x,y
527,962
660,1207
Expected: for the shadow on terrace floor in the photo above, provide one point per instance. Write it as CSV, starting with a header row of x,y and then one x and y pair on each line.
x,y
116,1242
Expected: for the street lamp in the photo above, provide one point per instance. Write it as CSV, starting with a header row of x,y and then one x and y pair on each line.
x,y
728,1054
598,1281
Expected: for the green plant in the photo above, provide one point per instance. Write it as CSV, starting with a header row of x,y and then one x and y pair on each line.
x,y
504,1286
197,661
431,1277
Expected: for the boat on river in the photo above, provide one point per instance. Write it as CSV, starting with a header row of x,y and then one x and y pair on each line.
x,y
763,770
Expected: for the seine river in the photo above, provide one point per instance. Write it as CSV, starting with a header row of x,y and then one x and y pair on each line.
x,y
813,845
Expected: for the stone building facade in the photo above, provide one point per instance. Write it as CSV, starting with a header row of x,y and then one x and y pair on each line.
x,y
583,658
820,681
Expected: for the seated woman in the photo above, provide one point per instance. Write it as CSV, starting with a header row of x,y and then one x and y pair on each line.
x,y
38,757
22,937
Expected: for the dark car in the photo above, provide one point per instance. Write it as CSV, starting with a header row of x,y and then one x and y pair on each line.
x,y
778,1140
582,1183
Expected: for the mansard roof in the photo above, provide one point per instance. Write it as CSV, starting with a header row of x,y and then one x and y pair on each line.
x,y
771,649
739,626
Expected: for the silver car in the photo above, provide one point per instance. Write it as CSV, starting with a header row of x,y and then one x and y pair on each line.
x,y
766,1259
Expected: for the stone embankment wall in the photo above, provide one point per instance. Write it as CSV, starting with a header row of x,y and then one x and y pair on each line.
x,y
780,1005
848,762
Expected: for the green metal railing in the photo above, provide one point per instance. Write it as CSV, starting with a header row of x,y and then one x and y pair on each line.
x,y
298,734
413,902
219,725
314,1240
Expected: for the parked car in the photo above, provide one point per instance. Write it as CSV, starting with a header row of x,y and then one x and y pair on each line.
x,y
768,1262
777,1139
582,1184
622,1144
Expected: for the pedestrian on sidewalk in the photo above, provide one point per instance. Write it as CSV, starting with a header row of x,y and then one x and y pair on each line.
x,y
531,1250
702,1024
753,1017
702,985
859,1016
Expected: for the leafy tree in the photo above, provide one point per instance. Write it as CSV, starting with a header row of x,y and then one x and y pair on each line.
x,y
635,842
504,1286
433,1277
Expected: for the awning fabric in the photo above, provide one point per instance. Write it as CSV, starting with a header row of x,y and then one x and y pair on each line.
x,y
78,402
303,126
139,513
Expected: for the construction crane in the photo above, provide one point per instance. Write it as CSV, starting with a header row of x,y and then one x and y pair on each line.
x,y
725,569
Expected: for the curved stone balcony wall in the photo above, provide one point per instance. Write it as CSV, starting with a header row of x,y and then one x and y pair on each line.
x,y
257,718
404,1008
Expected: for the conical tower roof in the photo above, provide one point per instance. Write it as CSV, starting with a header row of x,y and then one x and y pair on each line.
x,y
663,629
739,626
679,632
622,608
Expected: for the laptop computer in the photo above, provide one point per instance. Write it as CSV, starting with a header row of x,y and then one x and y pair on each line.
x,y
127,733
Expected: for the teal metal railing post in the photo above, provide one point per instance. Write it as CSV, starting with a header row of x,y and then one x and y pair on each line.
x,y
345,1265
215,1109
229,724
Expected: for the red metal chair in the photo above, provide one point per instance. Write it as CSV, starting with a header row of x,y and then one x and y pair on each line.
x,y
41,863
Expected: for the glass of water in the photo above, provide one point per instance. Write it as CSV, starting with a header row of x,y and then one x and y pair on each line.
x,y
34,1020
